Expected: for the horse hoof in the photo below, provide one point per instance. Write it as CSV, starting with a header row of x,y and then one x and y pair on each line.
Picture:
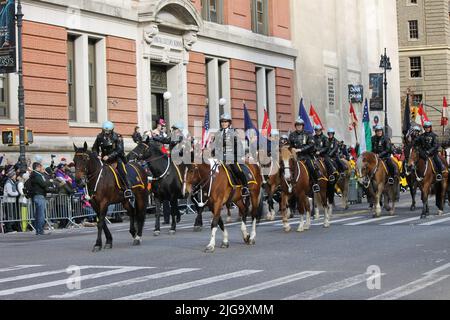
x,y
423,216
287,229
299,230
307,227
413,208
156,233
326,225
136,242
197,229
346,207
108,246
247,239
178,219
97,249
316,217
229,220
225,245
209,249
252,242
172,232
440,213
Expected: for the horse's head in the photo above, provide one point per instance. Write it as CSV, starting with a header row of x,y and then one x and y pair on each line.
x,y
140,152
365,165
81,160
192,178
412,159
286,158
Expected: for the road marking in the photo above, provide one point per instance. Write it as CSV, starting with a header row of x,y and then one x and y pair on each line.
x,y
330,288
124,283
410,288
20,267
65,281
336,221
370,220
49,273
438,269
434,222
400,221
264,285
189,285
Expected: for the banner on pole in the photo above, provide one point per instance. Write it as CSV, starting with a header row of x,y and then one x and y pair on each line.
x,y
7,36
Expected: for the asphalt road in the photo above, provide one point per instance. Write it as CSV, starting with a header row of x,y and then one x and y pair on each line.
x,y
358,257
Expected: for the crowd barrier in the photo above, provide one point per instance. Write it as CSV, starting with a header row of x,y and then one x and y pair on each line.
x,y
60,208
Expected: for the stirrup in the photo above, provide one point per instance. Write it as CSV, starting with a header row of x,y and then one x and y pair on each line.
x,y
331,178
342,174
245,192
128,194
439,177
391,181
316,188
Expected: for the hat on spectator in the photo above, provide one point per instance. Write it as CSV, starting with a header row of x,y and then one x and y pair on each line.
x,y
38,158
11,172
63,161
61,165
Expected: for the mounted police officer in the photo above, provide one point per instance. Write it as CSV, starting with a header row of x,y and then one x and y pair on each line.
x,y
229,150
428,146
383,148
333,151
321,145
109,147
303,143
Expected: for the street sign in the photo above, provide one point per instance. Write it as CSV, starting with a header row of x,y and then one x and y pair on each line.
x,y
7,36
355,93
376,88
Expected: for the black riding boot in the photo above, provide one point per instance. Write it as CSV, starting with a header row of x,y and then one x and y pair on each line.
x,y
331,170
313,174
243,179
128,192
340,167
392,170
439,167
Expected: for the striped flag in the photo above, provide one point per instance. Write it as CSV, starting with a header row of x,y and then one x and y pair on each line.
x,y
266,126
205,130
313,114
353,119
366,132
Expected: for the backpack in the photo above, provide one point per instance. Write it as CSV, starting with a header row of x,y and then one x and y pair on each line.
x,y
27,189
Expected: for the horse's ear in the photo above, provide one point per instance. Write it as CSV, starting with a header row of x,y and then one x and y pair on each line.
x,y
75,147
85,146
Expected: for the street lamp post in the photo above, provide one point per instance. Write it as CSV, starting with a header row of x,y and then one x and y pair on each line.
x,y
21,91
385,63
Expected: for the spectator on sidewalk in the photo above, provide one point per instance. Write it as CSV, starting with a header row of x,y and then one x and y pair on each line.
x,y
10,195
23,208
137,137
40,186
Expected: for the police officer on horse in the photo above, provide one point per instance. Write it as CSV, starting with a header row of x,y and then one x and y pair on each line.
x,y
229,150
303,143
321,145
428,147
109,146
381,145
333,151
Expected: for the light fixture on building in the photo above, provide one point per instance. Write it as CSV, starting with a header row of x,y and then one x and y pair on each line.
x,y
222,102
385,64
167,95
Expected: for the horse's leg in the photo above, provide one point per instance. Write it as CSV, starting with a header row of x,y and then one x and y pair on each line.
x,y
440,197
108,236
214,223
326,208
316,208
174,211
284,213
198,224
301,211
307,207
225,243
378,195
255,195
228,205
158,206
102,209
424,201
412,191
140,212
271,214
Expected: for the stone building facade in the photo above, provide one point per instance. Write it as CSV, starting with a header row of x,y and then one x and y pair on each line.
x,y
90,61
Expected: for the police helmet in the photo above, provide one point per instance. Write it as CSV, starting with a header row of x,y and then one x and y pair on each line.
x,y
427,124
331,130
317,127
299,121
108,126
225,117
379,128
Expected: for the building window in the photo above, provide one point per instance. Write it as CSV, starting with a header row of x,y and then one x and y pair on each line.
x,y
266,95
92,82
413,29
260,16
212,10
217,87
331,94
416,67
4,87
413,1
71,78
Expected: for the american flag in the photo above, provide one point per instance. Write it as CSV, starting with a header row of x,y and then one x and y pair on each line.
x,y
205,130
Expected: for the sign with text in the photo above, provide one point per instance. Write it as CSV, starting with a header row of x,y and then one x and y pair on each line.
x,y
376,88
355,93
7,36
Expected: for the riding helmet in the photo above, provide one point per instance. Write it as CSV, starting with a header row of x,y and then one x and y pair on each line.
x,y
317,127
108,125
427,124
331,130
299,121
378,128
225,117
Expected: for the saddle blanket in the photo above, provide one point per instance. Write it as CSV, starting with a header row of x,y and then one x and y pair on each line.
x,y
133,176
234,181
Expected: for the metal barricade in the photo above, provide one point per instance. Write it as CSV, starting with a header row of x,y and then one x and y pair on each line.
x,y
13,213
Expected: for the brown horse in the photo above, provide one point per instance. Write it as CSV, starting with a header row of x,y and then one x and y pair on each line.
x,y
343,183
373,175
101,182
324,198
211,187
423,172
272,182
295,189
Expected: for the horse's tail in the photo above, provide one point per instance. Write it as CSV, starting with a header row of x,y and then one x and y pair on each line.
x,y
259,212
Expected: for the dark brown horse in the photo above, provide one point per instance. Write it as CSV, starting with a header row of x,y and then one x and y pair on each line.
x,y
343,183
423,172
373,174
295,189
210,187
271,185
101,182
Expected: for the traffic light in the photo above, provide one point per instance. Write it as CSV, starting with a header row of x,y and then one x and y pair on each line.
x,y
28,136
414,111
9,137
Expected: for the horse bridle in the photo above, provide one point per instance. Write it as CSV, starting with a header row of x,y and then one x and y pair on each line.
x,y
198,189
415,168
97,174
374,172
141,155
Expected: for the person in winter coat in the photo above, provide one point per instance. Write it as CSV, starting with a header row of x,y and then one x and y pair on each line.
x,y
10,195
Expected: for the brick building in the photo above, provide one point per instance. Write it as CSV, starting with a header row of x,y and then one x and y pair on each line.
x,y
89,61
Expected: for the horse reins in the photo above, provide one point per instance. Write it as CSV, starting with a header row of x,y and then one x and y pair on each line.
x,y
98,173
202,184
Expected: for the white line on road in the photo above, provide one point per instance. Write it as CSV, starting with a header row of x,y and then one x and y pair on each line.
x,y
65,281
20,267
434,222
410,288
438,269
336,221
330,288
189,285
370,220
124,283
401,221
264,285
